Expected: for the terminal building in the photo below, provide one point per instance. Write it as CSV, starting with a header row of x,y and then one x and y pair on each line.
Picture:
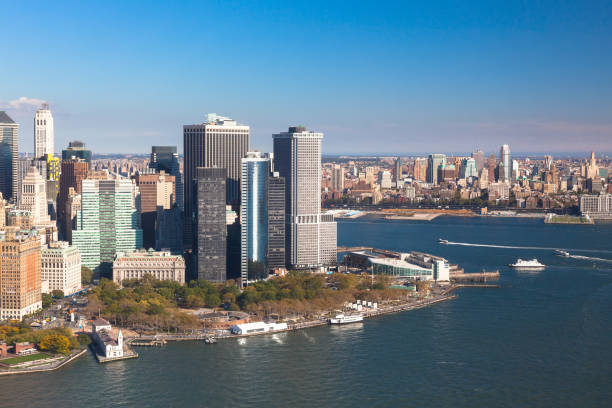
x,y
413,265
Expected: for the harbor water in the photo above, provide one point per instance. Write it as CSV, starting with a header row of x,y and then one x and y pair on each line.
x,y
542,339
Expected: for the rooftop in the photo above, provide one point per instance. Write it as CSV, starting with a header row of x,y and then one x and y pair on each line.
x,y
4,118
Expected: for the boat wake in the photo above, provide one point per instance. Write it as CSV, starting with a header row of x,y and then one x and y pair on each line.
x,y
590,258
529,247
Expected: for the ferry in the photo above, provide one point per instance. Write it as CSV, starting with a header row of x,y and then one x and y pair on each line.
x,y
344,319
530,264
442,241
560,252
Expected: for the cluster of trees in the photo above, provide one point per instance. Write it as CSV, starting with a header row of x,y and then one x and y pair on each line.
x,y
57,340
149,303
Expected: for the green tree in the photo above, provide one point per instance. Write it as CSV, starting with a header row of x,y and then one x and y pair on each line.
x,y
86,275
55,343
47,300
58,294
83,339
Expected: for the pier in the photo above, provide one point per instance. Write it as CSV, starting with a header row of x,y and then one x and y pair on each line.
x,y
475,277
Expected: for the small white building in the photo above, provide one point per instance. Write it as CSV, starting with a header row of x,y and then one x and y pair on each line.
x,y
257,327
103,337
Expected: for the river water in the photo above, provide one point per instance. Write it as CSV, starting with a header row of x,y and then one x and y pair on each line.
x,y
543,339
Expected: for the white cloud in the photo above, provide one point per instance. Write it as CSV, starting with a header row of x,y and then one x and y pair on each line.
x,y
23,104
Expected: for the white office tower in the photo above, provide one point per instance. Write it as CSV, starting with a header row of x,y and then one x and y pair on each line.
x,y
61,267
34,197
310,235
504,157
43,132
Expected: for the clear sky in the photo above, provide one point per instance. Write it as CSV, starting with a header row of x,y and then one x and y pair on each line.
x,y
446,76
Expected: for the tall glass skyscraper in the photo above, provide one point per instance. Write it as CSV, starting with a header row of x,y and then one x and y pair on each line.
x,y
254,216
166,158
107,223
8,156
504,157
76,151
433,164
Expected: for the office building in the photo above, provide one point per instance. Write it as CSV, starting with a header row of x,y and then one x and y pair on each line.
x,y
43,132
433,166
420,169
2,212
160,265
76,151
108,222
491,164
468,168
34,197
499,191
504,157
61,267
479,158
73,173
20,279
219,142
385,180
166,158
337,178
591,168
276,223
398,170
310,235
596,206
156,190
169,229
210,226
8,157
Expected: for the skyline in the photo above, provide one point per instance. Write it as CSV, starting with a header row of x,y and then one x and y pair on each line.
x,y
423,78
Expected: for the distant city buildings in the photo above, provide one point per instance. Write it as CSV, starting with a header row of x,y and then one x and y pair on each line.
x,y
165,158
337,178
434,163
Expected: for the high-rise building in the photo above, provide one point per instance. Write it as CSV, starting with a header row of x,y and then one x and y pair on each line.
x,y
8,157
108,222
156,190
504,157
73,173
398,170
254,217
20,280
596,206
43,132
310,235
433,166
219,142
34,197
338,178
420,169
76,151
276,222
61,267
479,157
468,168
166,158
591,168
491,164
2,212
210,226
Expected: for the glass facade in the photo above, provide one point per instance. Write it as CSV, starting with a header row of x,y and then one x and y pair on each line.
x,y
254,217
401,269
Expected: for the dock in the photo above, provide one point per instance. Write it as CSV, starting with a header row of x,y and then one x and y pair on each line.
x,y
475,277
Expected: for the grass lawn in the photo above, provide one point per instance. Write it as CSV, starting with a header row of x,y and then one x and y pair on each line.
x,y
22,359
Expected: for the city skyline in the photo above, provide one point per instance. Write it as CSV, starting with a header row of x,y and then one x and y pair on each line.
x,y
417,76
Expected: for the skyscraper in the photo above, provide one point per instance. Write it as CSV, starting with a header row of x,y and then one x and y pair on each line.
x,y
156,190
8,156
43,132
479,157
420,169
166,158
504,157
311,236
76,150
107,223
276,222
398,170
20,279
491,164
211,230
337,178
74,171
433,165
254,216
468,168
219,142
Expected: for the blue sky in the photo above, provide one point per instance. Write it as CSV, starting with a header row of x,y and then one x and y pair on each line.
x,y
447,76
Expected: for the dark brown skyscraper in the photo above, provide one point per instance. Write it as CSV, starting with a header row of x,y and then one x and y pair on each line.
x,y
155,190
491,163
73,173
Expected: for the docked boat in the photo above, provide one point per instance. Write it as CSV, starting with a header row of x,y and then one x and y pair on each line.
x,y
560,252
442,241
345,319
527,264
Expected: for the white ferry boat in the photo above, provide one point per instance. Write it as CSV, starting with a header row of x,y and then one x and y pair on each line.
x,y
529,264
560,252
344,319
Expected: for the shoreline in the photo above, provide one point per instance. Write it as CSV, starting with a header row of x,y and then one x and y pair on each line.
x,y
42,370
